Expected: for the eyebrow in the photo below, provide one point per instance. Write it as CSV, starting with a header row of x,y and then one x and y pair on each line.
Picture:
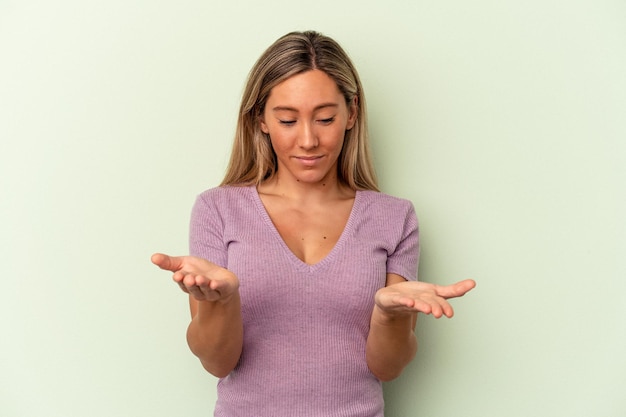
x,y
318,107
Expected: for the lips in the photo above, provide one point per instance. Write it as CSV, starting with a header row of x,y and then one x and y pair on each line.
x,y
308,160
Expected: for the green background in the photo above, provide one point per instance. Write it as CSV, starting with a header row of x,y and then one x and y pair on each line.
x,y
503,121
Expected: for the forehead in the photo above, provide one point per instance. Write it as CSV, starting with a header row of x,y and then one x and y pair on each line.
x,y
305,90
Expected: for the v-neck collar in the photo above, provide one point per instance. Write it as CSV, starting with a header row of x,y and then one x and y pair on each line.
x,y
299,263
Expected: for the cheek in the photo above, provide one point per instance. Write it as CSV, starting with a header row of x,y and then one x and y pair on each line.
x,y
339,137
279,140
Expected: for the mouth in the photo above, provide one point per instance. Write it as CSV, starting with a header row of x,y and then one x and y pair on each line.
x,y
308,160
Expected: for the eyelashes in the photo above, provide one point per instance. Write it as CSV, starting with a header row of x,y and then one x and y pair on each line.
x,y
324,122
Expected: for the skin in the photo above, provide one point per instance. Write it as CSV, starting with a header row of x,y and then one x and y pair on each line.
x,y
306,118
215,334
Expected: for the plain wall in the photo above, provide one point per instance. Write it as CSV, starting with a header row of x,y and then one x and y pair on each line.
x,y
503,121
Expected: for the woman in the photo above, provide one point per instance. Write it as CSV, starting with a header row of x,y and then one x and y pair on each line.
x,y
302,276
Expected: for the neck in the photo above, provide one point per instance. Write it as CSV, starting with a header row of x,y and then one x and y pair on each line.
x,y
306,193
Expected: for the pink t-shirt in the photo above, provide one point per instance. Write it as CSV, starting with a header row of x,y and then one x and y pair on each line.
x,y
305,326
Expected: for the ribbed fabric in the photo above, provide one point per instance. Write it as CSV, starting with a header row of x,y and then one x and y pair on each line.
x,y
305,326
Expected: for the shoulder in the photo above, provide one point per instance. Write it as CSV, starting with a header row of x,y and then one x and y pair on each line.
x,y
224,202
385,214
385,203
389,223
225,195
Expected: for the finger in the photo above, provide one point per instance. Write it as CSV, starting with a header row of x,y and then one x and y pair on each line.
x,y
209,293
182,287
447,310
203,284
198,287
455,290
169,263
195,291
204,290
422,307
395,302
436,311
437,307
443,308
179,277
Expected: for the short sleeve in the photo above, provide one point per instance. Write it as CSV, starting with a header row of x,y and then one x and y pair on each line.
x,y
206,231
404,259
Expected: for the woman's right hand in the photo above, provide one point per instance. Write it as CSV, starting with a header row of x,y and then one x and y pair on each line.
x,y
203,280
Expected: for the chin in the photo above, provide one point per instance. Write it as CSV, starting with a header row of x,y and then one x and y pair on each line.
x,y
312,179
312,176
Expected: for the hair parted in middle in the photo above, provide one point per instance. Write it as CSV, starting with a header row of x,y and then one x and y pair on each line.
x,y
252,159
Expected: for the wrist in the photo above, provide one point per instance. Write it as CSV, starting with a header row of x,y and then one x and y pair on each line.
x,y
223,305
389,317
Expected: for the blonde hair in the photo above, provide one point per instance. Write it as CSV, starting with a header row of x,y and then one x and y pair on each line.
x,y
252,159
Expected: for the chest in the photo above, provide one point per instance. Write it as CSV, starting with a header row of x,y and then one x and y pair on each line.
x,y
332,280
279,292
310,233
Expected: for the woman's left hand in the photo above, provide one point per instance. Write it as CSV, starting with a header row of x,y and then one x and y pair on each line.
x,y
422,297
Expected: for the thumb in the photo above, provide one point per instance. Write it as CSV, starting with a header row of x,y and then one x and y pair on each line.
x,y
456,290
169,263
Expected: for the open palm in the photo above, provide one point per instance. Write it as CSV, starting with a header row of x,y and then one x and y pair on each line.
x,y
410,297
203,280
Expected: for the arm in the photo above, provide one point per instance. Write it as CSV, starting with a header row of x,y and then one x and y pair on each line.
x,y
215,334
391,343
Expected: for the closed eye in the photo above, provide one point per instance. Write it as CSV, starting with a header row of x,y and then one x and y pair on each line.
x,y
287,122
327,121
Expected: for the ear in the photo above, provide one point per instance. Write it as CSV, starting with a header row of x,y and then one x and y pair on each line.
x,y
263,125
353,112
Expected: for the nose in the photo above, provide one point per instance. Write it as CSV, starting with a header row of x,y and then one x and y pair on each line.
x,y
307,138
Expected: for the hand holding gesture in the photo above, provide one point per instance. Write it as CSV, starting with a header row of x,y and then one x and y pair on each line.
x,y
410,297
203,280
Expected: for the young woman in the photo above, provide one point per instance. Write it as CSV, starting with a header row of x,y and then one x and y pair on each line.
x,y
302,276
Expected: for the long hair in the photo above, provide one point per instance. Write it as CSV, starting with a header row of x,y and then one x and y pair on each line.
x,y
252,159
